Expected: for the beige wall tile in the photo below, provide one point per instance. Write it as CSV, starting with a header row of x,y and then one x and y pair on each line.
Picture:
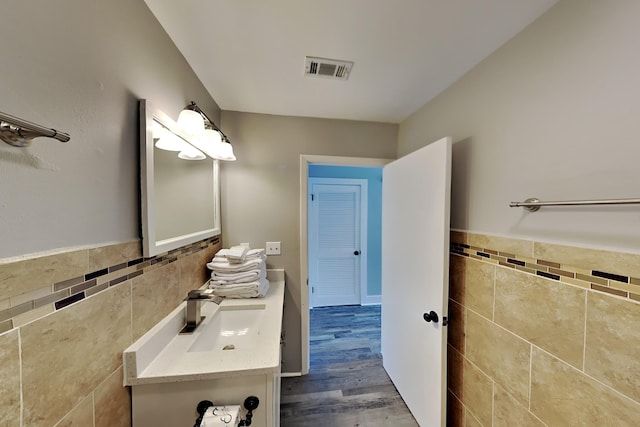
x,y
112,402
457,236
455,333
500,354
563,396
470,385
507,412
193,271
67,354
471,284
457,267
594,259
470,421
501,244
80,416
29,275
10,379
32,315
613,343
154,295
107,256
455,411
544,312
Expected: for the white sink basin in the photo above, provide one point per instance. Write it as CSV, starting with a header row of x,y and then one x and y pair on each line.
x,y
237,337
231,328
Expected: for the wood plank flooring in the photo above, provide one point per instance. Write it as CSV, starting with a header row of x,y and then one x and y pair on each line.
x,y
347,385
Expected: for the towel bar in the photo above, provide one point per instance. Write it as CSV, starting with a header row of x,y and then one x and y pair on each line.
x,y
20,133
532,204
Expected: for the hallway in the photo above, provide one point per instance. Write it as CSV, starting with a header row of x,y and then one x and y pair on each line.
x,y
346,385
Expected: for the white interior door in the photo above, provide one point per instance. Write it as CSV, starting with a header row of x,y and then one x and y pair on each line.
x,y
336,240
415,275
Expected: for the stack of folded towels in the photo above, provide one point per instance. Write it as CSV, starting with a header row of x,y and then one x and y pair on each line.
x,y
239,272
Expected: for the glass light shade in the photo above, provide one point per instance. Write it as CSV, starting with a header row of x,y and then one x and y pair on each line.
x,y
170,142
191,153
191,122
210,143
226,152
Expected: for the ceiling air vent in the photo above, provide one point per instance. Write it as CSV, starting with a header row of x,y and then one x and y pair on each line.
x,y
329,68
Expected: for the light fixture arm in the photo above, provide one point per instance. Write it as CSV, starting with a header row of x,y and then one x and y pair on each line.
x,y
194,107
20,133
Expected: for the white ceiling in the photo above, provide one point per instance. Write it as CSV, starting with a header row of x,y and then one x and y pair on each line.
x,y
250,54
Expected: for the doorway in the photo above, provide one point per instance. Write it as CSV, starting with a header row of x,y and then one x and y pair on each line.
x,y
305,162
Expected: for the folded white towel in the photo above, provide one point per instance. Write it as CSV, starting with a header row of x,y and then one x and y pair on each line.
x,y
256,289
237,254
251,253
218,278
227,267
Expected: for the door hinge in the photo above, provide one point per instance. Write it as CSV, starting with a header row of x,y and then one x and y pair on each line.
x,y
312,197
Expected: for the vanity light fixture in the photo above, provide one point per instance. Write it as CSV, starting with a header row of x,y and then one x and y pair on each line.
x,y
167,140
191,153
20,133
215,143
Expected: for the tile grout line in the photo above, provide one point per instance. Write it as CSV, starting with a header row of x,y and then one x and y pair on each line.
x,y
607,386
495,285
20,375
530,373
584,339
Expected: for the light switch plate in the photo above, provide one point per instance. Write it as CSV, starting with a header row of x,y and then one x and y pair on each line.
x,y
273,248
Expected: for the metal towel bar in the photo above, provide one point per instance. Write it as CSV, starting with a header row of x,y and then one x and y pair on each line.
x,y
20,133
532,204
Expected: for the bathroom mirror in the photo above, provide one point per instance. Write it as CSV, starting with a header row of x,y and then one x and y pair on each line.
x,y
180,198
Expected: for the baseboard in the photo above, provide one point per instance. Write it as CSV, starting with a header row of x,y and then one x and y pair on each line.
x,y
290,374
371,300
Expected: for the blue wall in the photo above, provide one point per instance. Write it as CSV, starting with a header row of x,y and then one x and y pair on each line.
x,y
374,218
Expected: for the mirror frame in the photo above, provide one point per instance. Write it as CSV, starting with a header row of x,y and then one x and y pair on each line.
x,y
150,246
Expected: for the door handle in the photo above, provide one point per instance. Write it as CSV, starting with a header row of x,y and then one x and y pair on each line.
x,y
356,252
431,316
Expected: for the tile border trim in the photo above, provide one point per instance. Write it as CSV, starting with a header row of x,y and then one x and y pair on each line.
x,y
70,291
593,279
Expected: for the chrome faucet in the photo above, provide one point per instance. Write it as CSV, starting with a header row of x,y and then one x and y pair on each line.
x,y
194,299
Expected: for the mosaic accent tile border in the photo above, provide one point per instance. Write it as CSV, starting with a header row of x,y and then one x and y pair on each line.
x,y
67,292
611,283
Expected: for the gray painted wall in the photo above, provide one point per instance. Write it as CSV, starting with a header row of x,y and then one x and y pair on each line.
x,y
553,114
80,67
261,190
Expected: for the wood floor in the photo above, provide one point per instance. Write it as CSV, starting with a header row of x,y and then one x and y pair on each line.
x,y
347,385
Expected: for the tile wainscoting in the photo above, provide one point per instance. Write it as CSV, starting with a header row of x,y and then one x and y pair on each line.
x,y
66,318
542,334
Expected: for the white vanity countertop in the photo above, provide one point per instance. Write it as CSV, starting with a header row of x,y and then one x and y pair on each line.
x,y
162,355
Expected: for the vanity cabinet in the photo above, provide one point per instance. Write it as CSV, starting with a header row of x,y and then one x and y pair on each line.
x,y
233,354
174,404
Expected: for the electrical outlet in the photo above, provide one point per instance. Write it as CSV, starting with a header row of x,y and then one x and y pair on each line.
x,y
273,248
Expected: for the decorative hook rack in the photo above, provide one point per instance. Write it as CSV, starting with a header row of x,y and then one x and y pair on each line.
x,y
20,133
532,204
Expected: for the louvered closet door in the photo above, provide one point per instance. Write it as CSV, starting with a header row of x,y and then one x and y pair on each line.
x,y
334,244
